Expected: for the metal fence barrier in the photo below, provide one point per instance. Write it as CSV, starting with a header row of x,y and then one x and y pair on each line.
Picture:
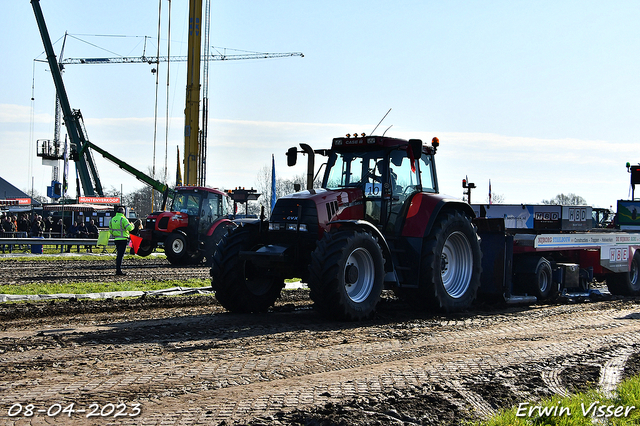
x,y
11,243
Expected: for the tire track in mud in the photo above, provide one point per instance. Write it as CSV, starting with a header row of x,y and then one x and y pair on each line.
x,y
239,368
611,371
66,269
552,379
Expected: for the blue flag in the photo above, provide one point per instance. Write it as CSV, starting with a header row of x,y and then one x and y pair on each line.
x,y
273,182
65,172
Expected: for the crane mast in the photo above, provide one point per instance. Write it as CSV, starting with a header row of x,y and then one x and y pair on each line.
x,y
192,107
202,158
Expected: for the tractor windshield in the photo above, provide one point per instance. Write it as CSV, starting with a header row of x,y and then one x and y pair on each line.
x,y
428,174
346,169
186,203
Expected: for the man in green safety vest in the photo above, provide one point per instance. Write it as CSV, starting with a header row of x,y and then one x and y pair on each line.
x,y
119,227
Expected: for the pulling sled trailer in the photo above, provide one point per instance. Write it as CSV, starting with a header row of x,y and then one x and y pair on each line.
x,y
538,252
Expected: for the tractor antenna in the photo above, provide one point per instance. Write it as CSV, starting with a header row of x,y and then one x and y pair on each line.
x,y
385,116
385,132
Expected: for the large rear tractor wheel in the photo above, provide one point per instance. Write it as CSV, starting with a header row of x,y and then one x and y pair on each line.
x,y
346,275
626,283
146,248
450,265
239,285
175,247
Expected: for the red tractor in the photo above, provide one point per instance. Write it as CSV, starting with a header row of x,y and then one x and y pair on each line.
x,y
197,219
378,222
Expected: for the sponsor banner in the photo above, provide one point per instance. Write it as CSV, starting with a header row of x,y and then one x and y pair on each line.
x,y
585,240
99,200
16,202
545,218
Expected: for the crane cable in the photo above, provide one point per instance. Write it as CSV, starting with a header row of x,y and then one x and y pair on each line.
x,y
166,136
155,112
31,124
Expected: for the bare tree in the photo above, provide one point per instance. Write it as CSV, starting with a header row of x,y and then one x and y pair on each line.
x,y
111,192
141,201
566,200
145,200
36,196
496,198
283,187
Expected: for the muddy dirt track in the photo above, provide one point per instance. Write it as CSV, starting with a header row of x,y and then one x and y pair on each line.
x,y
184,360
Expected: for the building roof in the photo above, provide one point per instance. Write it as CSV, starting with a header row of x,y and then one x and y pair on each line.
x,y
8,192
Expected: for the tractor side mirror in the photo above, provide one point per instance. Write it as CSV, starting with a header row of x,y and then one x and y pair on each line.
x,y
292,156
416,147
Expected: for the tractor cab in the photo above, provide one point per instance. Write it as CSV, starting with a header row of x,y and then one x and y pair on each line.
x,y
388,171
196,220
202,207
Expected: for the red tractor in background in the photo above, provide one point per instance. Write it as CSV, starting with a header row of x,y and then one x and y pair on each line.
x,y
377,222
197,219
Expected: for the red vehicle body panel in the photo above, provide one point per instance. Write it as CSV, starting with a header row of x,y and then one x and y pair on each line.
x,y
422,207
216,224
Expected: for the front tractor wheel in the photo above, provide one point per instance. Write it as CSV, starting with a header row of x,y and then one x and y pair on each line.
x,y
175,247
346,275
239,285
450,265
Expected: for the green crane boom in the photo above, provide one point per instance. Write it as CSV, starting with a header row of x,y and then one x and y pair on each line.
x,y
80,145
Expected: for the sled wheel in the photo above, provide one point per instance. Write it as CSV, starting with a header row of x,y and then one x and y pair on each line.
x,y
540,282
626,283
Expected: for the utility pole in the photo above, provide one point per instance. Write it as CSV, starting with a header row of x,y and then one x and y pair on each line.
x,y
468,186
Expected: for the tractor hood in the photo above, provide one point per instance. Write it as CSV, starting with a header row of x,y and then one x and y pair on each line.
x,y
330,205
323,195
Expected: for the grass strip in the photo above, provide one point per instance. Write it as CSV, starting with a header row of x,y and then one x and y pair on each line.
x,y
100,287
585,408
86,257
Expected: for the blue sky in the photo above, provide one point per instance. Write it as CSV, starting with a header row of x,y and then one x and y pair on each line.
x,y
540,97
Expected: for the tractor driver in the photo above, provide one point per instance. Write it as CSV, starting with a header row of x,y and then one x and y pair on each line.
x,y
378,177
